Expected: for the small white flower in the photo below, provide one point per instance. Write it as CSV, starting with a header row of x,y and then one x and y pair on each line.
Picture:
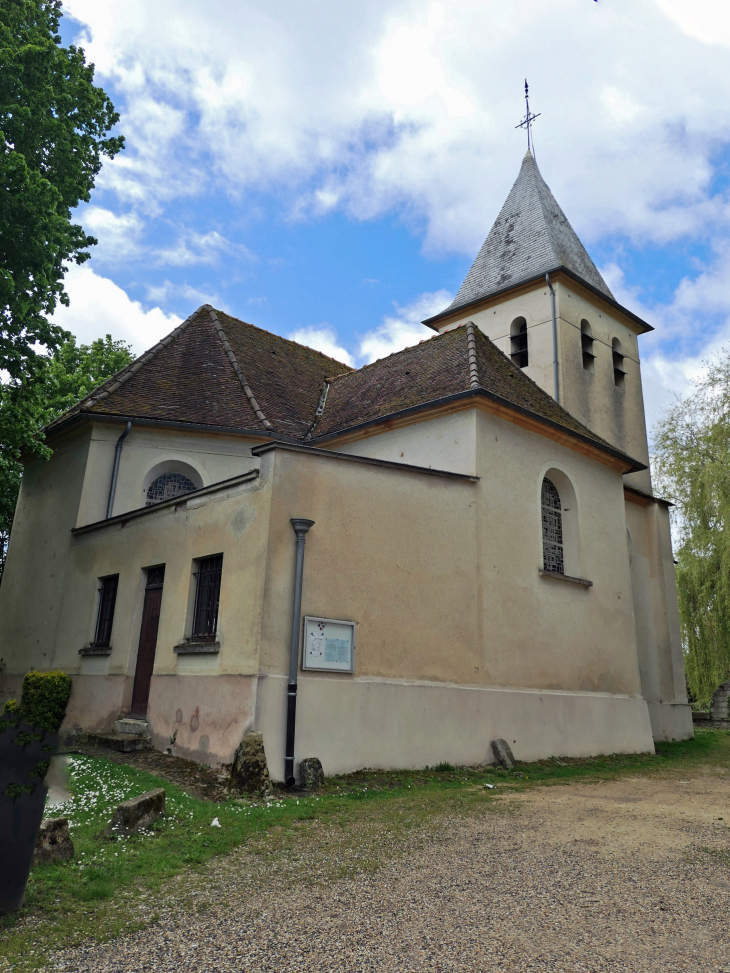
x,y
215,823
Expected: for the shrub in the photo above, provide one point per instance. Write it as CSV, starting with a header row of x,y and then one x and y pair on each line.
x,y
44,700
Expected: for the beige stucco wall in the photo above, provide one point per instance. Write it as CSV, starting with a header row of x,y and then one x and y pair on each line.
x,y
440,575
657,619
445,443
207,457
616,414
33,588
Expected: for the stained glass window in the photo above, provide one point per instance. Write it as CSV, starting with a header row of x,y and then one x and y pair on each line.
x,y
168,485
552,528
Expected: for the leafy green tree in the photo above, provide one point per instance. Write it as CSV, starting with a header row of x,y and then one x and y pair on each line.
x,y
54,125
692,462
58,382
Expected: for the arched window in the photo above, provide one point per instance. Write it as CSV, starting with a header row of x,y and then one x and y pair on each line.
x,y
518,342
552,528
168,485
586,344
618,364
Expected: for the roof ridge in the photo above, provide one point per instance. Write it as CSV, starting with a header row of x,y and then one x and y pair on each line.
x,y
236,367
124,374
541,391
471,351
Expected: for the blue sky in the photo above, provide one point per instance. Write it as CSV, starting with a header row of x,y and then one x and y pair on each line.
x,y
328,171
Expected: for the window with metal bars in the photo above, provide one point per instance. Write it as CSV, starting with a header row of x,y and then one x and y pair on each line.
x,y
586,345
207,597
105,616
619,374
552,528
518,342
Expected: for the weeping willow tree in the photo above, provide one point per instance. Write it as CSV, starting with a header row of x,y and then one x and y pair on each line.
x,y
692,465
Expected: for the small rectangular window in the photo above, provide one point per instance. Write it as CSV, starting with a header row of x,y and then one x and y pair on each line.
x,y
107,601
207,596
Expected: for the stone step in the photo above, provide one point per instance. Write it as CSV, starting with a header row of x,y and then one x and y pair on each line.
x,y
129,724
121,742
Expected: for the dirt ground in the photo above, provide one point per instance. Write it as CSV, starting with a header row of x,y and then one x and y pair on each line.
x,y
628,875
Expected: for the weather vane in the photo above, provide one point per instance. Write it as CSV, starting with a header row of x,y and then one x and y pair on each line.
x,y
528,119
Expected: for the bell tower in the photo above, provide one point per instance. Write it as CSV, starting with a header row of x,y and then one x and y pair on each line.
x,y
535,292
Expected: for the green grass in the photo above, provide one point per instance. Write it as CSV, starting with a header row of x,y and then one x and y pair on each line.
x,y
114,886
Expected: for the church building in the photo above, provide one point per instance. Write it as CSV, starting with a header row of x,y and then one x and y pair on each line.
x,y
388,566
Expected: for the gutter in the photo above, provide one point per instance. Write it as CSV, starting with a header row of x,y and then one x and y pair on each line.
x,y
301,525
555,339
115,469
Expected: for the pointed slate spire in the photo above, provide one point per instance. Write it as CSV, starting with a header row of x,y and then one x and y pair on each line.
x,y
530,237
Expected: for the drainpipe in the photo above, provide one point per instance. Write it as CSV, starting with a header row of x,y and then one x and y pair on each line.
x,y
301,526
115,469
555,339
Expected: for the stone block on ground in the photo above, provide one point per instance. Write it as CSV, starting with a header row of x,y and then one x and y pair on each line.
x,y
311,775
53,843
249,771
503,754
138,813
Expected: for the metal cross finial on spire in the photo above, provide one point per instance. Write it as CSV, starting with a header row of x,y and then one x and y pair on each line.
x,y
528,119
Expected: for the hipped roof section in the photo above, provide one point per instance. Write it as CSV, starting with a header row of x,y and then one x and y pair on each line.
x,y
216,370
462,360
530,238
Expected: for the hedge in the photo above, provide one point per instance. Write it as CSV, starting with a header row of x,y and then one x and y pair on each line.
x,y
44,700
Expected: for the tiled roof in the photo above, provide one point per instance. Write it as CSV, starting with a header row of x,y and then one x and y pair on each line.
x,y
216,370
433,370
530,237
219,371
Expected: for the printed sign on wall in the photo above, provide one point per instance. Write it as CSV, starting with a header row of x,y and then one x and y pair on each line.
x,y
328,644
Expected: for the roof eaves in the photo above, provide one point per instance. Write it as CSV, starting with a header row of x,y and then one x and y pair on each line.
x,y
644,327
634,465
85,416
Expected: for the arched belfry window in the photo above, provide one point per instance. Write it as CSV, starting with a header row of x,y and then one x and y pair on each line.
x,y
552,528
619,374
166,486
518,342
586,345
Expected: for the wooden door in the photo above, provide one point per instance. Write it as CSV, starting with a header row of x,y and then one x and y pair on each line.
x,y
147,642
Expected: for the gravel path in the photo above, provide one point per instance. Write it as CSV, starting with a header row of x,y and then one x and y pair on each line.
x,y
601,877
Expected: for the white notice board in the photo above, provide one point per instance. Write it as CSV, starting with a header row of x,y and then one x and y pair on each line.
x,y
328,644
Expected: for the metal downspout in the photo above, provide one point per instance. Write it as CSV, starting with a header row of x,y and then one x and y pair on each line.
x,y
555,339
115,469
301,526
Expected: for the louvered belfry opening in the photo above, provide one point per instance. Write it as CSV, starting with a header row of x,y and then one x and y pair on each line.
x,y
518,343
586,345
619,374
552,529
207,597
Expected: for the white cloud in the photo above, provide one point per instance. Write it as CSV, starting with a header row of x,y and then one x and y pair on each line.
x,y
324,339
99,307
413,105
404,328
118,233
195,249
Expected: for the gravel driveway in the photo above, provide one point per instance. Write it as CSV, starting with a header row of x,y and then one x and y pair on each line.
x,y
623,876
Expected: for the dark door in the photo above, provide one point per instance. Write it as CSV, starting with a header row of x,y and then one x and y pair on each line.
x,y
147,641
